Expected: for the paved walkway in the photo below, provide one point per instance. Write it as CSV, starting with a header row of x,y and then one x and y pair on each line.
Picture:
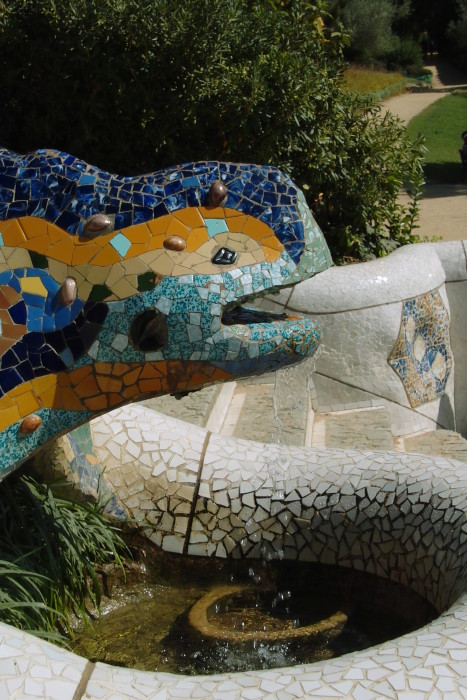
x,y
443,208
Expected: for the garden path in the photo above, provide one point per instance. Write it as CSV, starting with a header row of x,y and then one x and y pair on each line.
x,y
443,208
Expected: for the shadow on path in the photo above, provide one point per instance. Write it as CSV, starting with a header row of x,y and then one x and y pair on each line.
x,y
445,75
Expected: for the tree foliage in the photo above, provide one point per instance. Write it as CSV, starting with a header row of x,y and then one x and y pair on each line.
x,y
456,37
135,85
369,23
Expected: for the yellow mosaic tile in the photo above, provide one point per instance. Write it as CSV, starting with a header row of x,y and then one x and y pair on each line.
x,y
213,212
270,255
156,242
12,233
34,227
196,237
62,250
139,233
135,250
33,285
177,228
272,242
27,403
191,217
158,226
236,223
107,256
82,255
232,213
256,229
8,415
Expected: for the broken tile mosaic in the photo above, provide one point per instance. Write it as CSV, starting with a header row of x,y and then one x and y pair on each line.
x,y
113,288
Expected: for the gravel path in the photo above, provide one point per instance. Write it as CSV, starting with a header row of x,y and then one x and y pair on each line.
x,y
443,208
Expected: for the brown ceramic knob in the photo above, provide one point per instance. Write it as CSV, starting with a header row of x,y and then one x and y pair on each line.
x,y
174,243
97,224
30,424
67,292
217,193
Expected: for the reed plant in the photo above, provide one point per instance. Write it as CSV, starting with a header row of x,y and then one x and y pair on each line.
x,y
50,547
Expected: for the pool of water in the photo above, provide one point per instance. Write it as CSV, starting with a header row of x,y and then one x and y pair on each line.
x,y
145,623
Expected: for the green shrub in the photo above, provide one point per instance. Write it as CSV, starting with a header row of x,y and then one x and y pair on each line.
x,y
136,85
372,159
49,549
406,53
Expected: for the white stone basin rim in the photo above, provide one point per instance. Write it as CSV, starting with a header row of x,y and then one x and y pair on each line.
x,y
408,272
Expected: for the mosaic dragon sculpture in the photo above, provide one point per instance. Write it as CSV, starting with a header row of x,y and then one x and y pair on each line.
x,y
117,288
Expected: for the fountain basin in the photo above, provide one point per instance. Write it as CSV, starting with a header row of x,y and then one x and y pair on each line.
x,y
399,516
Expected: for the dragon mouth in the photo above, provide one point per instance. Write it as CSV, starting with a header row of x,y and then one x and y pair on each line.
x,y
249,316
270,333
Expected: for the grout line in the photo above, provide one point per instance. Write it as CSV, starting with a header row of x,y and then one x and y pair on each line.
x,y
191,516
84,680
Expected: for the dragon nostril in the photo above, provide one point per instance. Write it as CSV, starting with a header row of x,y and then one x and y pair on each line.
x,y
224,256
217,193
149,331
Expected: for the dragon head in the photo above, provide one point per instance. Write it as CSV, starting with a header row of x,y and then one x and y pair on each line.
x,y
116,288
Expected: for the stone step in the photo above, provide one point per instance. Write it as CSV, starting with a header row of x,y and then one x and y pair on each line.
x,y
354,429
256,413
254,410
442,443
195,408
266,411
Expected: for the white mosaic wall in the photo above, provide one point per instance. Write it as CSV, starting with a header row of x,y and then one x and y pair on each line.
x,y
359,309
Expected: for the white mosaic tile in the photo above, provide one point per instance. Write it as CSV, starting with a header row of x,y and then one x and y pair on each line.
x,y
32,668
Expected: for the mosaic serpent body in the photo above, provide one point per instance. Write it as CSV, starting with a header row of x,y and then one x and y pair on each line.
x,y
115,288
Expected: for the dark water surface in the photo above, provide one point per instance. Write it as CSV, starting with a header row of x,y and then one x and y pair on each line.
x,y
144,624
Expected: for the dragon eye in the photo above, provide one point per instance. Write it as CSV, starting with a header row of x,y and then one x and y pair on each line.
x,y
224,256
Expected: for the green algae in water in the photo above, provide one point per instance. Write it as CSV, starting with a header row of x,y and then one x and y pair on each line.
x,y
145,623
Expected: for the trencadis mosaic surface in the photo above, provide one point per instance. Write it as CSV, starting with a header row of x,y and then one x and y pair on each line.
x,y
114,288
